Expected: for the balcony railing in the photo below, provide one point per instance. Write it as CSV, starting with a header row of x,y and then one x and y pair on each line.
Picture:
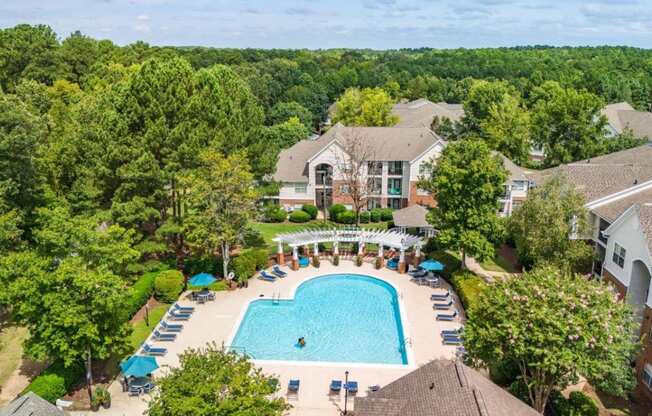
x,y
394,191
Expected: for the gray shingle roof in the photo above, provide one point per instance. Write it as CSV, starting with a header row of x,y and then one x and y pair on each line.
x,y
622,116
516,173
615,209
412,216
604,175
420,113
387,143
30,404
442,388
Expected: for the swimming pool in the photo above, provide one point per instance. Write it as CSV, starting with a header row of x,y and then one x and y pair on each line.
x,y
343,317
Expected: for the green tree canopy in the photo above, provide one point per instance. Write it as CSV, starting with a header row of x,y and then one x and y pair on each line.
x,y
212,382
482,96
567,123
545,228
467,181
507,129
284,111
555,327
366,107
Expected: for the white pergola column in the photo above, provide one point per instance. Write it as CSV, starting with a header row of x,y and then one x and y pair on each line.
x,y
336,249
417,254
381,253
360,248
280,257
315,251
295,258
401,261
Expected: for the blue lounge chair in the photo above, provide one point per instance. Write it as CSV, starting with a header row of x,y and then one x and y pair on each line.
x,y
447,316
149,350
446,305
452,341
277,271
178,316
166,327
336,385
456,332
293,385
419,272
440,296
266,276
352,387
184,309
164,336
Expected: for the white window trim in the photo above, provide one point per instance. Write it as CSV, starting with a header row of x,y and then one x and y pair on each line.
x,y
619,255
300,188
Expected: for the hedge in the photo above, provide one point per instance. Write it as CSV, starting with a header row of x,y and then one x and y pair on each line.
x,y
335,210
469,287
311,210
274,213
375,215
260,257
299,216
55,381
346,217
577,404
168,286
141,291
386,214
364,217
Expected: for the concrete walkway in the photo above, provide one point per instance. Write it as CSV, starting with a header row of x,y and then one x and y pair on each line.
x,y
217,321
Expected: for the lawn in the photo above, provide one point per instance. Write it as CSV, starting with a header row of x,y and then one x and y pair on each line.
x,y
11,350
270,230
498,264
142,330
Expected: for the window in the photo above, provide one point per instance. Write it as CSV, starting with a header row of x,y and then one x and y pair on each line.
x,y
373,203
619,255
374,186
425,170
647,375
375,168
300,188
395,168
394,203
344,189
394,186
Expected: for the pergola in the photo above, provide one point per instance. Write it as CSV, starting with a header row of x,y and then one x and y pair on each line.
x,y
397,240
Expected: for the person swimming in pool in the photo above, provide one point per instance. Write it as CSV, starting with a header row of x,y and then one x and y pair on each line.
x,y
302,342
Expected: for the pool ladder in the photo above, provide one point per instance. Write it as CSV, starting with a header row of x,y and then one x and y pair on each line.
x,y
276,298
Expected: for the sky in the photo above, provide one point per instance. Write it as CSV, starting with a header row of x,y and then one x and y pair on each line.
x,y
377,24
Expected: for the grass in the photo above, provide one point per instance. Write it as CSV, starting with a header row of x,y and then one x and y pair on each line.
x,y
498,264
142,330
11,350
270,230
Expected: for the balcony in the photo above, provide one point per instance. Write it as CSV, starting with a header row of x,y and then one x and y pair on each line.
x,y
394,191
394,187
375,168
395,168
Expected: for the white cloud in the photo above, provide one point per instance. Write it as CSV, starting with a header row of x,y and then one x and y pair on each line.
x,y
143,17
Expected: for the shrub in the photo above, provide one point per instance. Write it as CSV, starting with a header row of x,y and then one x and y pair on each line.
x,y
203,264
469,287
386,214
451,263
55,381
299,216
244,266
274,213
379,263
315,261
577,404
375,215
336,260
311,210
346,217
254,238
358,260
364,217
140,292
334,210
260,257
168,285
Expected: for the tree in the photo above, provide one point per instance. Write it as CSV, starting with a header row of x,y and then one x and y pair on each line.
x,y
352,164
210,381
221,200
481,97
366,107
507,129
73,314
273,139
567,123
555,326
467,181
282,112
547,226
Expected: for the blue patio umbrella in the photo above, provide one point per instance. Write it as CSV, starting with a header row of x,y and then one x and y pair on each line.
x,y
138,366
201,279
432,265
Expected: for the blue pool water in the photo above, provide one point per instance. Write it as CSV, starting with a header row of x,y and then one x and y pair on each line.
x,y
343,318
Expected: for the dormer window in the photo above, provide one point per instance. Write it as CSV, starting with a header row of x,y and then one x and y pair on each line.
x,y
619,255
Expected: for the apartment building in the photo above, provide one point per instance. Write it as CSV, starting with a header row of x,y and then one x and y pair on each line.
x,y
618,191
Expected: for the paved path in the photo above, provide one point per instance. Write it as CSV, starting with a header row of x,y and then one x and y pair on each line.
x,y
488,275
217,321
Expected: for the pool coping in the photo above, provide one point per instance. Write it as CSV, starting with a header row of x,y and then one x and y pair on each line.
x,y
291,296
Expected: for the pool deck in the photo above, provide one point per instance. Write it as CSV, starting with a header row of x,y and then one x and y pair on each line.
x,y
217,322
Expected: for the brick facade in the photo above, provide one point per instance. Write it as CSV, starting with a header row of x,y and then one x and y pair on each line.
x,y
646,354
338,196
415,198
